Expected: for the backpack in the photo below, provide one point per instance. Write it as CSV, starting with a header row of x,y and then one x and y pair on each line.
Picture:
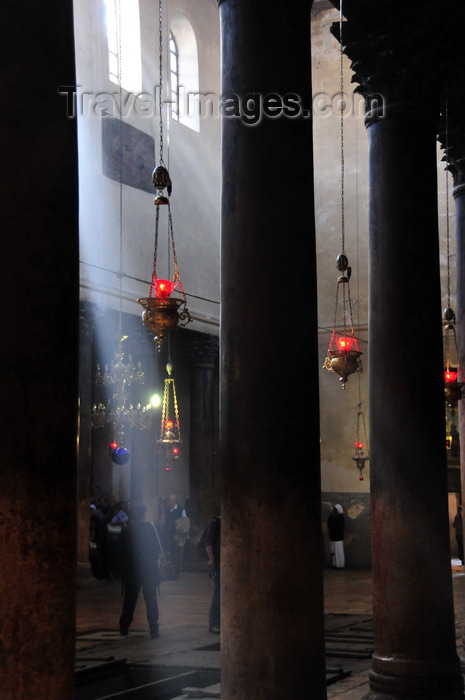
x,y
201,545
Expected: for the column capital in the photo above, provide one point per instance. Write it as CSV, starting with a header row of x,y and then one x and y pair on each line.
x,y
451,136
402,54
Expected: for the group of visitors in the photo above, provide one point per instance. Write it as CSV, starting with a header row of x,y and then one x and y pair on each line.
x,y
108,522
108,518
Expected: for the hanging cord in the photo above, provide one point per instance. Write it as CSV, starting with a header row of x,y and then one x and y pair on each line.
x,y
160,76
120,89
342,129
447,207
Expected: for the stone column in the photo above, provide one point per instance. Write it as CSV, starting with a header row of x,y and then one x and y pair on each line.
x,y
415,650
203,449
84,481
39,364
272,557
413,610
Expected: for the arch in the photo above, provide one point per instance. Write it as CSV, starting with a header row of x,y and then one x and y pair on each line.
x,y
187,105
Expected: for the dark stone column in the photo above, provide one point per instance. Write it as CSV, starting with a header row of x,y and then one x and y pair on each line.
x,y
39,363
403,65
203,452
415,650
272,560
84,482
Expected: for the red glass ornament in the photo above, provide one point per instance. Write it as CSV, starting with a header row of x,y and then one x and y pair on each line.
x,y
163,288
450,376
345,343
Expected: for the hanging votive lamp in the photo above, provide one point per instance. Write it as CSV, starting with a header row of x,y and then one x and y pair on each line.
x,y
170,429
453,378
344,354
360,458
162,312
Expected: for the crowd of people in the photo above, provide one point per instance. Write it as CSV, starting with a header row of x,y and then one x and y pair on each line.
x,y
123,544
108,522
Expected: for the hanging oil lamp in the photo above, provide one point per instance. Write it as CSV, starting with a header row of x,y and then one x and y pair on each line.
x,y
344,354
453,378
162,312
360,458
170,429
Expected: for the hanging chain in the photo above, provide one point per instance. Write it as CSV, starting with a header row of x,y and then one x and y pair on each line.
x,y
447,206
120,89
342,129
160,78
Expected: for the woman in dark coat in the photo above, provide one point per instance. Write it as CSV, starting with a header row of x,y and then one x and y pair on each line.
x,y
336,526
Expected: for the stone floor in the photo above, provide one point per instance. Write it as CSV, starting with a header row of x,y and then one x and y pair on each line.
x,y
185,643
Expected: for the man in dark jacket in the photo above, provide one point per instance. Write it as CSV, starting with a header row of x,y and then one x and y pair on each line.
x,y
140,552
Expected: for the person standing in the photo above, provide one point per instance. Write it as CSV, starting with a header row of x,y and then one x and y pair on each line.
x,y
140,569
336,526
458,527
174,536
213,550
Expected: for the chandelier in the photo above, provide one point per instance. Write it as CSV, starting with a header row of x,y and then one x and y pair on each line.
x,y
162,312
118,378
122,374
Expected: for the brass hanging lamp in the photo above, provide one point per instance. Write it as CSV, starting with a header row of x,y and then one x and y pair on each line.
x,y
170,429
361,458
453,378
162,312
343,356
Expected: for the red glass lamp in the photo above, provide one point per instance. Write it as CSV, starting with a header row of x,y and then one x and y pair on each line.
x,y
343,352
163,288
453,379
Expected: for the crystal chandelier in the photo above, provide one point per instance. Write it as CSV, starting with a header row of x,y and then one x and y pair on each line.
x,y
118,409
119,377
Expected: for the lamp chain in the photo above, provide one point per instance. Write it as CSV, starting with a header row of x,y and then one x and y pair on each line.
x,y
120,90
447,206
342,107
160,79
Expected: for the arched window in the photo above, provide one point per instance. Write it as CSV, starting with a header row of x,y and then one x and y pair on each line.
x,y
184,80
174,77
124,47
